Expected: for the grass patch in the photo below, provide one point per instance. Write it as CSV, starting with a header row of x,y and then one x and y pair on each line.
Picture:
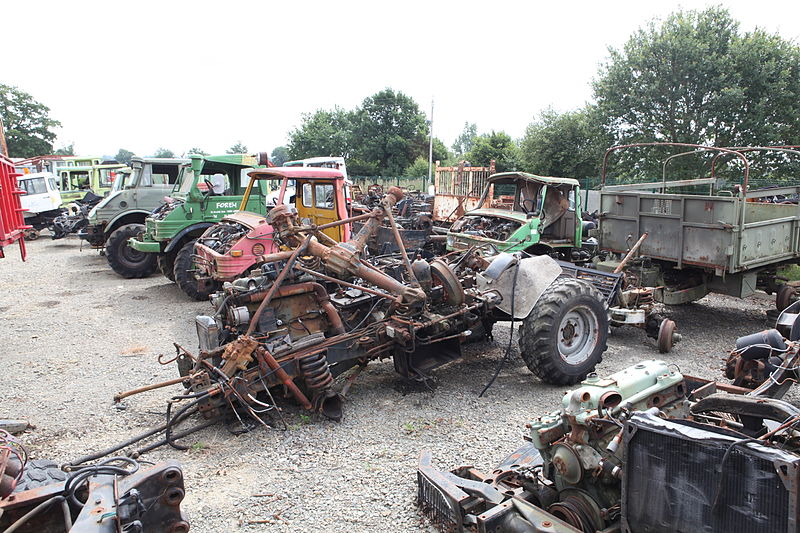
x,y
792,272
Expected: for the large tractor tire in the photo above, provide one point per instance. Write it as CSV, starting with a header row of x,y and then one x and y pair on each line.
x,y
123,259
564,337
184,275
166,265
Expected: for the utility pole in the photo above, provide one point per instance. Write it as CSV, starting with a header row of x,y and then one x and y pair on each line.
x,y
430,155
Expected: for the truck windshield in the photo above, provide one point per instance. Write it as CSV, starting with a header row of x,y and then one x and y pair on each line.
x,y
122,180
513,195
33,186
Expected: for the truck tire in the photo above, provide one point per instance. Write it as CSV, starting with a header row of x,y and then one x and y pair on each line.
x,y
38,473
184,274
166,265
564,337
123,259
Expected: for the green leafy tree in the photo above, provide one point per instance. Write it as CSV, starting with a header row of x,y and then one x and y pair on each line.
x,y
567,144
391,131
279,156
495,145
164,152
198,151
417,169
28,126
696,78
465,141
237,148
124,156
66,150
323,133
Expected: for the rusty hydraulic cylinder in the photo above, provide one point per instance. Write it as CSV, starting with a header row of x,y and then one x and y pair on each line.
x,y
631,253
285,378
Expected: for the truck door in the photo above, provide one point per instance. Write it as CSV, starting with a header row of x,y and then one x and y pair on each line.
x,y
316,204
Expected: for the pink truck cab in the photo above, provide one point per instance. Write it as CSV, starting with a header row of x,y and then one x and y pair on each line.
x,y
243,240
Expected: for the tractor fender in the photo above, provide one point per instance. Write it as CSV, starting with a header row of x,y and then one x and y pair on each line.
x,y
535,275
173,243
114,222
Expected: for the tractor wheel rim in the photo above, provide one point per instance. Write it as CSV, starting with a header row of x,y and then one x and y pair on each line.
x,y
577,335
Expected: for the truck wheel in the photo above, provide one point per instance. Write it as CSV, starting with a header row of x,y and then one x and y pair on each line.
x,y
38,473
785,297
166,265
123,259
564,337
184,274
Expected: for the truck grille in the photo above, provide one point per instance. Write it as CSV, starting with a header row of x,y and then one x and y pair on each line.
x,y
436,505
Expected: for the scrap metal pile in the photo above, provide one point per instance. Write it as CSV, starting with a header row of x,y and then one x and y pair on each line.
x,y
645,450
300,323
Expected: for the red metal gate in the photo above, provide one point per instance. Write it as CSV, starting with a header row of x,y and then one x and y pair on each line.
x,y
12,225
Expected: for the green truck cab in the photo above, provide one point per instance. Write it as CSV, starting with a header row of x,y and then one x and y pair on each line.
x,y
208,188
523,212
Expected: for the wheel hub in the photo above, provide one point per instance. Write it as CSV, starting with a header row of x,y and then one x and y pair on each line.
x,y
578,334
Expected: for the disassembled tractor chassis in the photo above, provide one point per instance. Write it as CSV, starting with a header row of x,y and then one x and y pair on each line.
x,y
645,450
291,326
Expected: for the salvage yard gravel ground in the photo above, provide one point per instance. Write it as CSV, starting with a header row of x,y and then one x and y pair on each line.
x,y
74,334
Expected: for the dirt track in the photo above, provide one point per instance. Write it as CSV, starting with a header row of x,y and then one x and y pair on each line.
x,y
74,334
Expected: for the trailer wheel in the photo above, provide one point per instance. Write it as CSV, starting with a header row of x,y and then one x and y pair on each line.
x,y
184,274
666,332
166,265
31,234
38,473
785,296
123,259
564,337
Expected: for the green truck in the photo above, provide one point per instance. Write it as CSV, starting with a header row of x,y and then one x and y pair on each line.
x,y
208,188
523,212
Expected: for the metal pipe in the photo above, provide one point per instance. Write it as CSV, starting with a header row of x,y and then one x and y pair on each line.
x,y
285,378
630,254
346,284
402,247
120,395
278,281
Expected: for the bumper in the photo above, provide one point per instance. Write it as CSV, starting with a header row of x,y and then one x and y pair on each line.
x,y
145,246
94,235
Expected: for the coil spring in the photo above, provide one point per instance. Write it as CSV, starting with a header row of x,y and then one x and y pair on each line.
x,y
316,373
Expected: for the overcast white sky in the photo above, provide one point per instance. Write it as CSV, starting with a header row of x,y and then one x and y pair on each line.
x,y
181,74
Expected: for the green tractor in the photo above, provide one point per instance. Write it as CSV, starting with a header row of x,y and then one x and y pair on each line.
x,y
209,188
